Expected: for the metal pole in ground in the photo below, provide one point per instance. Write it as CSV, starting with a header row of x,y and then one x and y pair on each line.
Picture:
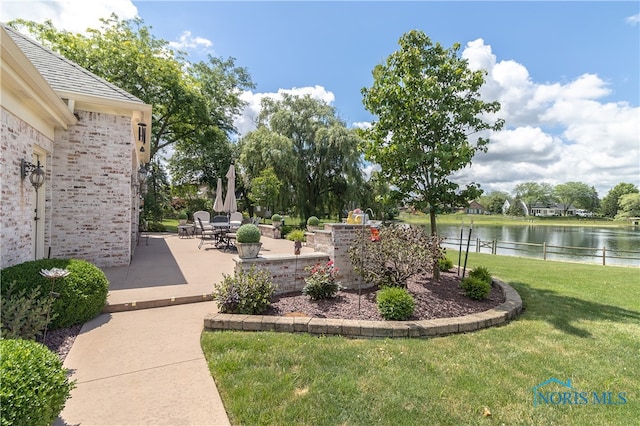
x,y
466,255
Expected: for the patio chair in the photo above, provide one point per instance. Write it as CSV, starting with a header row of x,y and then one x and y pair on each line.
x,y
201,218
206,233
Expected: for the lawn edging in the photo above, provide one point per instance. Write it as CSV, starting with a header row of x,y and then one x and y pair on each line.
x,y
501,314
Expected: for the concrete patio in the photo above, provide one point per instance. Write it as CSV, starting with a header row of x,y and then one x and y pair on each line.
x,y
136,366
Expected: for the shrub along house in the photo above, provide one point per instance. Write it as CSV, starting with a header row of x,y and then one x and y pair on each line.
x,y
72,145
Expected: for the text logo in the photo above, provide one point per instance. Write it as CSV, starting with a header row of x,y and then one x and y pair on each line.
x,y
568,395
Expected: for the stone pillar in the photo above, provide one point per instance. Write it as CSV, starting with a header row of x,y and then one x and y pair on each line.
x,y
342,236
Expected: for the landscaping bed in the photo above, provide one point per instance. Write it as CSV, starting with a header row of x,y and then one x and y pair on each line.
x,y
443,299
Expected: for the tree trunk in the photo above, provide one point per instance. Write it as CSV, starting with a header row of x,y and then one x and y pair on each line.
x,y
434,232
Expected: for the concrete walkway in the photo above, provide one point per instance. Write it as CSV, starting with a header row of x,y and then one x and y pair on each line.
x,y
145,366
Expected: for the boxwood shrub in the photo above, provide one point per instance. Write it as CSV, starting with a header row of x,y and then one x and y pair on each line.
x,y
395,303
83,293
34,387
475,288
248,233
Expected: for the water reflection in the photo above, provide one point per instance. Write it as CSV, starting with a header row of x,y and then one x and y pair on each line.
x,y
576,243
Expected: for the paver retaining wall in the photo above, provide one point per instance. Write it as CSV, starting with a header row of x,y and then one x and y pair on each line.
x,y
505,312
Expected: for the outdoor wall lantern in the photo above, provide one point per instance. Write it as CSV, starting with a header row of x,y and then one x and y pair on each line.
x,y
142,174
34,171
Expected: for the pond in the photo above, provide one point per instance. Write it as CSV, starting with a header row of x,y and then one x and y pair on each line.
x,y
620,246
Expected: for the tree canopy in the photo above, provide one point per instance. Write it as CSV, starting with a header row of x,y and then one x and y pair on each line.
x,y
610,203
310,150
532,193
193,103
430,121
575,194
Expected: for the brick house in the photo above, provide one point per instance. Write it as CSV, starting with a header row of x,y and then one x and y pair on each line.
x,y
89,138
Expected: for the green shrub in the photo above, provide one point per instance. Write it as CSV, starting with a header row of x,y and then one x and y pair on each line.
x,y
482,273
322,283
475,288
245,292
400,253
313,221
35,387
296,235
82,294
24,314
276,218
444,263
182,215
248,233
156,227
395,303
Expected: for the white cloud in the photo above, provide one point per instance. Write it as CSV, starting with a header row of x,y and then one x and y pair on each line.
x,y
72,15
246,122
633,19
188,42
555,132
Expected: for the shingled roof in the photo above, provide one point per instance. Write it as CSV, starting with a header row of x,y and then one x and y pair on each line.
x,y
64,75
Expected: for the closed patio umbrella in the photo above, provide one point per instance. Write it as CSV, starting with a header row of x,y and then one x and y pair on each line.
x,y
218,205
230,203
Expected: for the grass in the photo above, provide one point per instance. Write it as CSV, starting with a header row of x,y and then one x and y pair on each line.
x,y
581,322
456,219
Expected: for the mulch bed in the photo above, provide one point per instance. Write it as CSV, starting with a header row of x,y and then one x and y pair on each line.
x,y
441,299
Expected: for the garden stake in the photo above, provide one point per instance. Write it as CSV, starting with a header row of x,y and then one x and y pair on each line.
x,y
51,274
460,246
467,253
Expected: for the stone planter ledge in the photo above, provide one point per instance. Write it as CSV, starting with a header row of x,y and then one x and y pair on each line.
x,y
501,314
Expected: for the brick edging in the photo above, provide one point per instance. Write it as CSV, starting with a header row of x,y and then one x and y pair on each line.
x,y
501,314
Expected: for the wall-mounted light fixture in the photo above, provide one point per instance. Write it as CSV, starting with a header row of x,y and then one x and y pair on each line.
x,y
34,171
142,174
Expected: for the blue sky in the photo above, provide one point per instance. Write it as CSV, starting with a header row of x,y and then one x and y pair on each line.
x,y
566,73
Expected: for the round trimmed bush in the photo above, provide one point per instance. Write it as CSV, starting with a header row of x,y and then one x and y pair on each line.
x,y
35,387
395,303
475,288
248,233
444,264
481,273
313,221
276,218
82,294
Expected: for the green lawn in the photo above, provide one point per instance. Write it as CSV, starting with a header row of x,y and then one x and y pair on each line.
x,y
581,322
456,219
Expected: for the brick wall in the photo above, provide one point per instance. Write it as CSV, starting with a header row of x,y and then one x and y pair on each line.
x,y
18,141
335,240
92,190
287,271
332,243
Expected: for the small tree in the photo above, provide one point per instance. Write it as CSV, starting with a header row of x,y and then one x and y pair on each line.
x,y
400,253
428,106
265,188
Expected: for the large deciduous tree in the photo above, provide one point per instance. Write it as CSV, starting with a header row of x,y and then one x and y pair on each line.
x,y
430,120
532,193
629,206
311,152
610,203
193,103
577,194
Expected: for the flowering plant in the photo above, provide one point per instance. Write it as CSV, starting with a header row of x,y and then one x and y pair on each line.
x,y
322,282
